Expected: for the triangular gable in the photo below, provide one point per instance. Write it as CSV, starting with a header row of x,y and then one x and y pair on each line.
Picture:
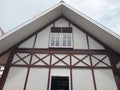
x,y
81,40
101,33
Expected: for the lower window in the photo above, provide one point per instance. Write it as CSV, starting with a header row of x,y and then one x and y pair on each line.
x,y
59,83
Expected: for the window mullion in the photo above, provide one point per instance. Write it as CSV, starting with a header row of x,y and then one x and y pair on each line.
x,y
61,36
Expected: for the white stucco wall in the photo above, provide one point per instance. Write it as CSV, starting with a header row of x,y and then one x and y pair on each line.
x,y
94,45
38,78
16,78
42,40
28,44
82,79
105,79
79,39
61,23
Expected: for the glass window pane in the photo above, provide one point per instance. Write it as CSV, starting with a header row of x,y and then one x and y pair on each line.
x,y
57,39
64,42
52,36
52,42
69,36
64,36
69,42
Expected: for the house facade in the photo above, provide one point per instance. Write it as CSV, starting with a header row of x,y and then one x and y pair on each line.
x,y
61,55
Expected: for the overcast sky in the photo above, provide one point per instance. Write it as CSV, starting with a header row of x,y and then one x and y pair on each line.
x,y
16,12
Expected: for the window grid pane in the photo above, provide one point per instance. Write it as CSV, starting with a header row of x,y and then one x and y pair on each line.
x,y
61,40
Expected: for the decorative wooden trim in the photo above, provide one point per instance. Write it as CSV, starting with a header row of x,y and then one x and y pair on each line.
x,y
48,85
26,80
115,72
22,59
71,73
93,74
35,40
60,51
60,60
87,42
46,66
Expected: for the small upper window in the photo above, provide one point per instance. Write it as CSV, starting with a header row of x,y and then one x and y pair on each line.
x,y
61,37
59,83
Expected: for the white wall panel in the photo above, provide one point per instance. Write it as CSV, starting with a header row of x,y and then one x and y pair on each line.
x,y
61,23
105,80
79,39
15,79
82,79
42,40
28,44
38,79
94,45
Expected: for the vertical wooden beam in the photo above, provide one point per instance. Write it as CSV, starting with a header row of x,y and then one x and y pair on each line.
x,y
93,75
87,42
6,70
48,85
26,80
71,72
53,24
115,72
34,41
69,24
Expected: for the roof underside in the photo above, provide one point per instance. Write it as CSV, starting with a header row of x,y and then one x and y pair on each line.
x,y
100,32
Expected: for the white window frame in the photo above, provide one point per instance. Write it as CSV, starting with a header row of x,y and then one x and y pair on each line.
x,y
61,40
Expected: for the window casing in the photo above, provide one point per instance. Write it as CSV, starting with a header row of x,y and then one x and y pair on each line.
x,y
61,37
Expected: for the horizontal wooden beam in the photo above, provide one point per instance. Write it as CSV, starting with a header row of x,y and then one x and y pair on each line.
x,y
60,51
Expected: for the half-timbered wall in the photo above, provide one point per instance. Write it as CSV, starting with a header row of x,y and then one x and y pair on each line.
x,y
80,39
87,65
85,71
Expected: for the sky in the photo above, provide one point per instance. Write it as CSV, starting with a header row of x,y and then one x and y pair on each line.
x,y
15,12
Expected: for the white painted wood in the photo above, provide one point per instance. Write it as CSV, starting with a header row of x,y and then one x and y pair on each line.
x,y
16,78
61,23
82,79
94,45
105,79
42,40
60,72
28,44
38,79
79,39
